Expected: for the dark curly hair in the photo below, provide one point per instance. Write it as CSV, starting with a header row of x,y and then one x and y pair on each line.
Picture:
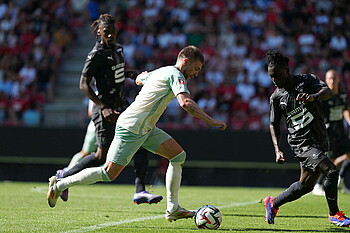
x,y
106,19
275,57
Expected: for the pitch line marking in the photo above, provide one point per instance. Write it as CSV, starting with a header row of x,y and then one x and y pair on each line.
x,y
111,224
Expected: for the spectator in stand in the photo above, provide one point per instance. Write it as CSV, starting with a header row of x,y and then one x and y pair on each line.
x,y
27,74
32,115
245,89
338,43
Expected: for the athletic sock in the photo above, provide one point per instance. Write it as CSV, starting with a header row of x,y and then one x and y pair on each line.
x,y
172,183
86,176
294,192
141,167
75,159
173,180
331,192
88,161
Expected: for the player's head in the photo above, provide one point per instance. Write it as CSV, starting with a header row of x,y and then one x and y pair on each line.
x,y
332,79
277,68
104,27
190,61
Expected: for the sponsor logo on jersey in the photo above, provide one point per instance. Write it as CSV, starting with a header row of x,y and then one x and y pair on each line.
x,y
181,81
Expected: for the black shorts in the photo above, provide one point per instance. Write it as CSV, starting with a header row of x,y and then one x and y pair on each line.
x,y
338,147
104,130
310,157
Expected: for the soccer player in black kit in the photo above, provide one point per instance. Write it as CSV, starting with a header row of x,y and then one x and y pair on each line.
x,y
336,110
105,64
297,98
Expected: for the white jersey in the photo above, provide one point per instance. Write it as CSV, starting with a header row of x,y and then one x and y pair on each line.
x,y
159,88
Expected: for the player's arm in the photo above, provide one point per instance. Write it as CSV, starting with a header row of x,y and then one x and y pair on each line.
x,y
324,93
275,132
192,108
85,87
108,113
346,114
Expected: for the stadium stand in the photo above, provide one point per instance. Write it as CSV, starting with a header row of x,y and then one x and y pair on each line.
x,y
233,35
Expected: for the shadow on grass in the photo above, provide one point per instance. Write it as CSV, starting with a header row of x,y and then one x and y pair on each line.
x,y
279,216
284,230
332,229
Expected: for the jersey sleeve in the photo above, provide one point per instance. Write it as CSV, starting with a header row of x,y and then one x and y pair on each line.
x,y
275,111
178,84
91,65
315,84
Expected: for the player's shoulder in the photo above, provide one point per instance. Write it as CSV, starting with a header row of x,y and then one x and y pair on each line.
x,y
118,47
306,77
95,51
278,92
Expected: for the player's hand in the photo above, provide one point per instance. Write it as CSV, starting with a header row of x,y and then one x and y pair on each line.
x,y
280,157
303,98
219,124
131,74
110,115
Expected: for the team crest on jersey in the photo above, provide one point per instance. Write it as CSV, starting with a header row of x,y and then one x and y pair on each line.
x,y
181,81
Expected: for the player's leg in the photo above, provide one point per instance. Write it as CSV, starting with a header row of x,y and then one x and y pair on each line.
x,y
140,168
104,134
309,159
345,166
86,176
305,185
119,156
336,217
295,191
89,146
163,144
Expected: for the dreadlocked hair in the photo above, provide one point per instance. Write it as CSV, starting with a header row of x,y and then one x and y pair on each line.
x,y
103,19
275,57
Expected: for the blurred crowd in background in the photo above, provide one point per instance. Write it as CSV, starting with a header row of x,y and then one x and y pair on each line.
x,y
234,35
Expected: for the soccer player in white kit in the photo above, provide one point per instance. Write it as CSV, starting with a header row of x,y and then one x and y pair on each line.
x,y
136,128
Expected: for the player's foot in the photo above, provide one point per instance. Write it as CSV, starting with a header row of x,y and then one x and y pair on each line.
x,y
318,190
340,219
179,213
64,194
146,197
271,212
52,195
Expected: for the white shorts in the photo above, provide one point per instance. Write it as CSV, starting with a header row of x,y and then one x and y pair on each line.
x,y
125,144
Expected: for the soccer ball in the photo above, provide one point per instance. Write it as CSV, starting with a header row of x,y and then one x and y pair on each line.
x,y
208,216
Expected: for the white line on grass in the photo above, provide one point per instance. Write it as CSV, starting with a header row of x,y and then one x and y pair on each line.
x,y
111,224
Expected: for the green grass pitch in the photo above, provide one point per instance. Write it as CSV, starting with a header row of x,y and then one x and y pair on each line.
x,y
108,208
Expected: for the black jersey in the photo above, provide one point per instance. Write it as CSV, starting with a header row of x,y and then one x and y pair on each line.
x,y
305,122
333,110
107,66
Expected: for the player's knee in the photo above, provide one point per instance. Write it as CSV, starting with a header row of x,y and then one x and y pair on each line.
x,y
180,158
305,187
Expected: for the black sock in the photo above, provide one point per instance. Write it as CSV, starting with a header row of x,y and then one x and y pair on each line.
x,y
88,161
294,192
141,167
331,191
